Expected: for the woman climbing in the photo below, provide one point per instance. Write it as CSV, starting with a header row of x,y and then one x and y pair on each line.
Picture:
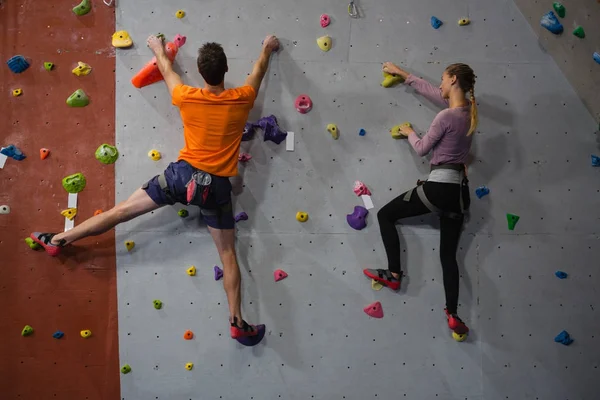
x,y
446,190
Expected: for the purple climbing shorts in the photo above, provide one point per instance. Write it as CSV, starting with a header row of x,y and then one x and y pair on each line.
x,y
215,208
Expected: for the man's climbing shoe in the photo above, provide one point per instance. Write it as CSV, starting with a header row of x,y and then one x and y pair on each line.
x,y
245,331
45,240
384,276
456,324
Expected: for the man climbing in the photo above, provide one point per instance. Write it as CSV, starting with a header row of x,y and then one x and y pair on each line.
x,y
213,122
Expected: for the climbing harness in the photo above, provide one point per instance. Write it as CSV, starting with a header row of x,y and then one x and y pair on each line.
x,y
352,10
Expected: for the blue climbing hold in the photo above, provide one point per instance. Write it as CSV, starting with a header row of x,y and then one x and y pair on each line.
x,y
560,274
13,151
362,132
563,338
550,22
596,57
17,64
58,335
595,161
436,23
482,191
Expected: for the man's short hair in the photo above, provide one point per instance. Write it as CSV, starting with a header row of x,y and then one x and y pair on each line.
x,y
212,63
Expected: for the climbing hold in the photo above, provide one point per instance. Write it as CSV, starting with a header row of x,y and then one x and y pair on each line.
x,y
69,213
129,245
244,157
596,57
78,99
563,338
58,335
595,161
82,69
324,43
248,132
361,189
579,32
74,183
107,154
86,333
4,209
44,152
48,66
83,8
161,36
550,22
482,191
560,274
464,21
395,131
180,14
157,304
27,330
188,335
459,337
436,23
17,92
325,20
390,80
32,244
179,40
218,273
189,366
241,217
560,9
301,216
358,219
191,271
149,73
183,213
374,310
17,64
121,39
125,369
303,104
13,152
362,132
333,129
376,285
279,275
97,212
271,129
253,340
154,155
512,221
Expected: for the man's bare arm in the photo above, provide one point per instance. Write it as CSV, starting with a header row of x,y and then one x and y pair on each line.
x,y
255,79
165,66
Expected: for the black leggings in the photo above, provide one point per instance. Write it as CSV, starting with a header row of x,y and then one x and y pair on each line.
x,y
444,196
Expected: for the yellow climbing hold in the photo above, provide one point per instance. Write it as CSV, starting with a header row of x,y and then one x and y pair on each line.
x,y
180,14
301,216
154,155
333,129
191,271
390,80
324,43
85,333
121,39
82,69
129,245
395,131
376,285
189,366
464,21
459,337
69,213
17,92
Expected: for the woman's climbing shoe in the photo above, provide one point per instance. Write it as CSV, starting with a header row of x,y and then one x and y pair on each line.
x,y
384,276
245,331
45,240
456,324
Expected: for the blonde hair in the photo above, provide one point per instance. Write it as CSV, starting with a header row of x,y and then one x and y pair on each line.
x,y
466,80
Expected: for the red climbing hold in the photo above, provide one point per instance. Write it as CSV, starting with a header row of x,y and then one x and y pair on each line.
x,y
44,153
374,310
303,104
150,74
279,275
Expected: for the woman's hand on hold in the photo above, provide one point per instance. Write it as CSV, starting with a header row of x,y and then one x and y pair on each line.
x,y
391,68
406,130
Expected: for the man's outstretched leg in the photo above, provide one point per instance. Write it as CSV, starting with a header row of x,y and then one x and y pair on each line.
x,y
137,204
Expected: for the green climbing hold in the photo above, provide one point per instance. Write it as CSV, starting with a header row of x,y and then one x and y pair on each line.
x,y
512,221
157,304
28,330
78,99
74,183
32,244
560,9
579,32
125,369
183,213
48,66
107,154
161,36
83,8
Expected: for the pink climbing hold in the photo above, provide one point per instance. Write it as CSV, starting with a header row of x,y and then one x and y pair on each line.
x,y
279,275
325,20
303,104
179,40
244,157
361,189
374,310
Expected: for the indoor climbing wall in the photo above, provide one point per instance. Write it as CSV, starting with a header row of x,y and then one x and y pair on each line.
x,y
532,150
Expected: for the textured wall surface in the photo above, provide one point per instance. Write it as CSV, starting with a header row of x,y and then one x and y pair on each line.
x,y
532,150
76,291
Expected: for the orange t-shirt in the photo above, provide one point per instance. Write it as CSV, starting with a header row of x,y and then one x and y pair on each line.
x,y
213,126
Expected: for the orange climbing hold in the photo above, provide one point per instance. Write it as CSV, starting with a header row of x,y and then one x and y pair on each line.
x,y
188,335
150,74
97,212
44,153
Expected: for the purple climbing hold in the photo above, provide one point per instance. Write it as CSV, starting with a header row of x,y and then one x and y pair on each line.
x,y
241,217
271,129
218,273
12,151
248,133
253,340
358,219
17,64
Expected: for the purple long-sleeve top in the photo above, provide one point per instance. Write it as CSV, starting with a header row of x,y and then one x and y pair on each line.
x,y
446,138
